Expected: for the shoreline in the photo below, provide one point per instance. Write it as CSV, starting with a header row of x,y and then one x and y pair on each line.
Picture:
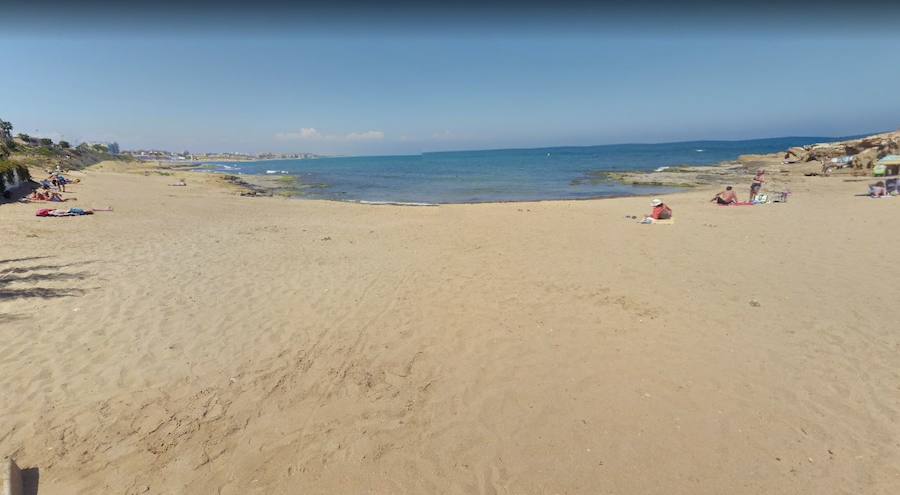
x,y
727,172
677,178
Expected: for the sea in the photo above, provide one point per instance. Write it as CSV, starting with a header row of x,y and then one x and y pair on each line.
x,y
535,174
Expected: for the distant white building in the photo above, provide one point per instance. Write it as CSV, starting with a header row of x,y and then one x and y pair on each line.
x,y
111,148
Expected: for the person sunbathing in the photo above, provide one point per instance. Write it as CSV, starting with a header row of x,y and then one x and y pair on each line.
x,y
38,195
726,197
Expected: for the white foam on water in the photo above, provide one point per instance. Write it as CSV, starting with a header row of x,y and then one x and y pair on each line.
x,y
394,203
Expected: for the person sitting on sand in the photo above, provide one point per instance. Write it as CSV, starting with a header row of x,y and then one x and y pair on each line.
x,y
661,211
726,197
39,195
877,190
757,184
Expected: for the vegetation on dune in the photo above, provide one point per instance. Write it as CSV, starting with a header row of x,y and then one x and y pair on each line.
x,y
40,152
8,172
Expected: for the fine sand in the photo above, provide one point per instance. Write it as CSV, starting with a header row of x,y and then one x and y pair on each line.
x,y
198,342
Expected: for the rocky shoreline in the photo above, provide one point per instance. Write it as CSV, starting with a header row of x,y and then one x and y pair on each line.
x,y
267,185
858,157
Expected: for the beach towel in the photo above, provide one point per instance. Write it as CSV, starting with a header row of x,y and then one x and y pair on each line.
x,y
745,203
663,221
70,212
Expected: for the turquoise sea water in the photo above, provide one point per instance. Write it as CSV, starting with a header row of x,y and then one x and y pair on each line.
x,y
502,175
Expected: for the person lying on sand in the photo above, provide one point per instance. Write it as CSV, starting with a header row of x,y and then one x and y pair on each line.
x,y
726,197
39,195
757,184
45,194
878,190
661,211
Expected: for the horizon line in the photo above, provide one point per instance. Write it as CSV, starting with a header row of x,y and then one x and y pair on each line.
x,y
827,139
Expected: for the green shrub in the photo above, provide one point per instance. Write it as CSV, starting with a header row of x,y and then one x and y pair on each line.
x,y
64,145
8,170
46,142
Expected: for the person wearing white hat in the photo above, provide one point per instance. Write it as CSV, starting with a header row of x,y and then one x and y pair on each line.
x,y
661,211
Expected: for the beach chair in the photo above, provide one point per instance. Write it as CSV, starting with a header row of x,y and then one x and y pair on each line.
x,y
892,186
780,196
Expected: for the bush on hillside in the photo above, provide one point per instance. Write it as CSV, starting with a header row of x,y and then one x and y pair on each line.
x,y
46,142
64,145
8,171
5,129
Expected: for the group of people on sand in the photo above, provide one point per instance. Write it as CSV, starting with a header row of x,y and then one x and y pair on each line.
x,y
662,211
729,197
51,188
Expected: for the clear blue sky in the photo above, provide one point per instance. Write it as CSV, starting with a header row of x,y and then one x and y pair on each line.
x,y
381,93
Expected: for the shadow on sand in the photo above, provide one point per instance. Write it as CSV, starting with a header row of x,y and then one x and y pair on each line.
x,y
31,478
17,280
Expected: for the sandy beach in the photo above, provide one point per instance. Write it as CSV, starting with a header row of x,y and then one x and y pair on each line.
x,y
195,341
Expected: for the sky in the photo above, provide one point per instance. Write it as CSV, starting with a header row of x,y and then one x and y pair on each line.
x,y
400,87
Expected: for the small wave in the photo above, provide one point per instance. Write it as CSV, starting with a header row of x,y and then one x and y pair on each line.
x,y
395,203
699,151
660,169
